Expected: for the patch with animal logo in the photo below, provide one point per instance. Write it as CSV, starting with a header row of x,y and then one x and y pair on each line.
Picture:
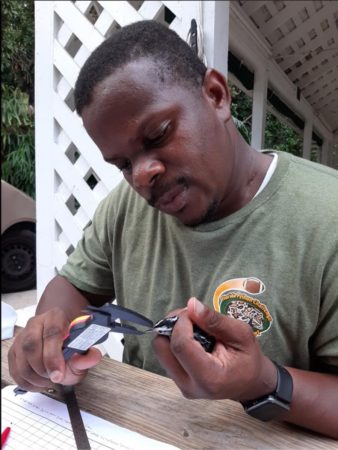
x,y
238,299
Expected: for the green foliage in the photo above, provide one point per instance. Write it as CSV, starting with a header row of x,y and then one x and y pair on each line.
x,y
17,72
242,128
315,152
17,138
241,108
17,43
279,136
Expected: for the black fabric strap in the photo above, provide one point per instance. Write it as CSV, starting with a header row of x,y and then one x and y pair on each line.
x,y
79,431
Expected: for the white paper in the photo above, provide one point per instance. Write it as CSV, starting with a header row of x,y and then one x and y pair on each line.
x,y
24,314
42,423
8,319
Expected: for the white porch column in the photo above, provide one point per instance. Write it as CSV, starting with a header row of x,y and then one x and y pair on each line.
x,y
44,138
325,153
216,33
307,139
259,108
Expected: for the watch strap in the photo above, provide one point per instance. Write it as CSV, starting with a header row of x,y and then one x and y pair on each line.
x,y
279,400
284,386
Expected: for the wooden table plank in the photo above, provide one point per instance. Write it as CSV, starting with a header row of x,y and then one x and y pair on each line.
x,y
153,406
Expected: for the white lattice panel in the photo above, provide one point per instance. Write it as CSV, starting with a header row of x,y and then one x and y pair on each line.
x,y
71,175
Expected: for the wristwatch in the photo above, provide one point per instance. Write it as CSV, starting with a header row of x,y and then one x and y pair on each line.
x,y
271,406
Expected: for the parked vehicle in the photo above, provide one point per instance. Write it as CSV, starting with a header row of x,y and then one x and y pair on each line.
x,y
18,240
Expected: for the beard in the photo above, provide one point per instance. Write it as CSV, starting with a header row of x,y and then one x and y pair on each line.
x,y
210,215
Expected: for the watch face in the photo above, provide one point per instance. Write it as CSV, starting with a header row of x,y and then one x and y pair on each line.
x,y
267,409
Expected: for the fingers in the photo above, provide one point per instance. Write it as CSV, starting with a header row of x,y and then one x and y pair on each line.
x,y
78,365
54,331
85,362
161,346
25,365
191,356
36,359
225,329
23,374
37,352
186,361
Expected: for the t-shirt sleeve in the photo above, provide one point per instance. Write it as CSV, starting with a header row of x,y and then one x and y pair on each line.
x,y
89,266
325,339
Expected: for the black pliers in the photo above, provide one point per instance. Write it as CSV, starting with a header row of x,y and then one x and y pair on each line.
x,y
94,327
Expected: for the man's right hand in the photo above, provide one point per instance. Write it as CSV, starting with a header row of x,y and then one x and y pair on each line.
x,y
36,360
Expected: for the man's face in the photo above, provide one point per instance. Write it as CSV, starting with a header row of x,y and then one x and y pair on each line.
x,y
169,141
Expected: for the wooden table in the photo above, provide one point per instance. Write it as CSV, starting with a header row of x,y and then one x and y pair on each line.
x,y
153,406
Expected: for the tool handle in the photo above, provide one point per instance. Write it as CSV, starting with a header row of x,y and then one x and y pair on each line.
x,y
165,327
68,352
207,341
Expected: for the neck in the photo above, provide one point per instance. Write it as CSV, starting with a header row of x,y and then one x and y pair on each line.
x,y
250,167
259,165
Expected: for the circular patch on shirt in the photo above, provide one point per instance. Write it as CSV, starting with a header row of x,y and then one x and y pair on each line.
x,y
235,298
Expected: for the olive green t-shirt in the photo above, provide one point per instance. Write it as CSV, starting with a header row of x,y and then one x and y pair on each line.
x,y
272,264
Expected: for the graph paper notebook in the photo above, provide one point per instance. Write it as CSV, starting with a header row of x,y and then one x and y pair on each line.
x,y
42,423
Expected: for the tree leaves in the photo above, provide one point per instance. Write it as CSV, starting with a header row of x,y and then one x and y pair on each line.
x,y
17,72
277,134
17,43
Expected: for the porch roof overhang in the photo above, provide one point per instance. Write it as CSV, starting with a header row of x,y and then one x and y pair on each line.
x,y
297,44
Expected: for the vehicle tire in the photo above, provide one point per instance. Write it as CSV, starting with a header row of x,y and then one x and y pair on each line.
x,y
18,261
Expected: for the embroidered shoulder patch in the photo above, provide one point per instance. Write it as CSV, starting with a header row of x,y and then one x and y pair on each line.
x,y
235,298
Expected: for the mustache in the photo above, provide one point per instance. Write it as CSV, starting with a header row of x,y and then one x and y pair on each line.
x,y
157,192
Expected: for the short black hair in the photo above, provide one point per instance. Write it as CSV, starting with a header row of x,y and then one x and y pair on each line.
x,y
174,59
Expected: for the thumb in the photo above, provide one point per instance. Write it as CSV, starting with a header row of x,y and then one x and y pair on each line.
x,y
77,366
224,328
86,361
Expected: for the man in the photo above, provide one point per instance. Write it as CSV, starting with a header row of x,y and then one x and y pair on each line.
x,y
252,235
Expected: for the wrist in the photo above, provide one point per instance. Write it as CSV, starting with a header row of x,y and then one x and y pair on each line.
x,y
265,382
268,378
277,402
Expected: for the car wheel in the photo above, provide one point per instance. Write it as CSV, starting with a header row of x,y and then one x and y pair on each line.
x,y
18,261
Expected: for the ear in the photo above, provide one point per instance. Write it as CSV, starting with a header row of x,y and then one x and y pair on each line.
x,y
216,91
